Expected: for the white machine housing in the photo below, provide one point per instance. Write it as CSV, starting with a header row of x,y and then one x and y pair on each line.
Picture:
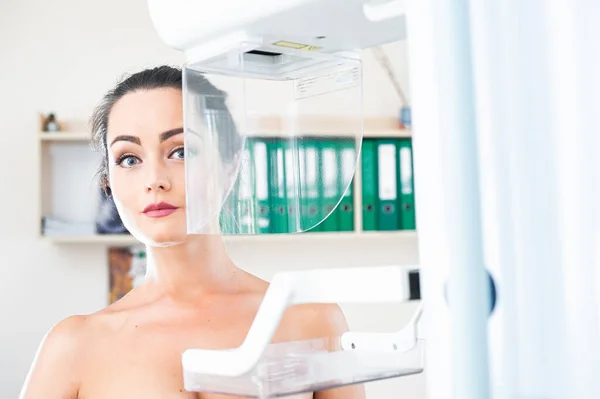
x,y
198,28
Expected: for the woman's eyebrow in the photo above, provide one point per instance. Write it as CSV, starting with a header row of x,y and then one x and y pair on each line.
x,y
170,133
136,140
132,139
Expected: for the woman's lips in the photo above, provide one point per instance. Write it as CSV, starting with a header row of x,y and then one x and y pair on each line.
x,y
157,213
160,209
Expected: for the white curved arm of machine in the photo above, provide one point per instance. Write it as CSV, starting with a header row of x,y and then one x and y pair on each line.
x,y
383,284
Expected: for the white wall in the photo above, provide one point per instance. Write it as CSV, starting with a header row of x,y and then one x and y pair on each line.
x,y
61,56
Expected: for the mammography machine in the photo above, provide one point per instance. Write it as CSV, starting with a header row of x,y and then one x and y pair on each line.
x,y
504,101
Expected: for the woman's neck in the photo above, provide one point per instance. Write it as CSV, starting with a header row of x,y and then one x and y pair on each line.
x,y
195,268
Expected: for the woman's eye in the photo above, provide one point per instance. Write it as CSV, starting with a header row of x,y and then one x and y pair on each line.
x,y
178,153
128,161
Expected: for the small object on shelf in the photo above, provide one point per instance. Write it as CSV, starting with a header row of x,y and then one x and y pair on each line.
x,y
404,115
405,118
50,124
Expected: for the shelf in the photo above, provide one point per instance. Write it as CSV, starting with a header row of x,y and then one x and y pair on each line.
x,y
65,136
325,237
398,133
84,137
332,134
275,127
108,239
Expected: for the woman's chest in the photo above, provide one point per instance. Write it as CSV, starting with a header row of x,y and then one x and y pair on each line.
x,y
145,361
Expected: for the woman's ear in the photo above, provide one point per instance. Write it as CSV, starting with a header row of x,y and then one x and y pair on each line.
x,y
105,185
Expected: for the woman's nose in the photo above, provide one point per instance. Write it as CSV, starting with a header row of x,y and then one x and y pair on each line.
x,y
159,184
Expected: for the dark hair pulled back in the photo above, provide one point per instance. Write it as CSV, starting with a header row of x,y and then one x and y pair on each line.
x,y
160,77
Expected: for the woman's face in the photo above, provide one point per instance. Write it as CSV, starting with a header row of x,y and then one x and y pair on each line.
x,y
146,164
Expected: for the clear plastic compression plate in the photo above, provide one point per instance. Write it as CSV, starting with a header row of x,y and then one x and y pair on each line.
x,y
294,368
272,139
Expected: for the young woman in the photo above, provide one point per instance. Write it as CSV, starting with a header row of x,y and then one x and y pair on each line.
x,y
193,295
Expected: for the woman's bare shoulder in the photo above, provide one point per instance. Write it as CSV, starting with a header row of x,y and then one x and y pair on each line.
x,y
54,370
67,334
316,321
62,353
72,334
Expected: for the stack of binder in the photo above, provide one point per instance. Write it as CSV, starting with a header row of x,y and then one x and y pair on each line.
x,y
388,201
298,181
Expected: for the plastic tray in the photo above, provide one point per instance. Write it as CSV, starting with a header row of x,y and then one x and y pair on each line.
x,y
308,366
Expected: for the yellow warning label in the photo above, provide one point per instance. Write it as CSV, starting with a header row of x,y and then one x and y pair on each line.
x,y
297,46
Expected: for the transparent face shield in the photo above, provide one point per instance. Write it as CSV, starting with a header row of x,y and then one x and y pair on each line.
x,y
272,140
